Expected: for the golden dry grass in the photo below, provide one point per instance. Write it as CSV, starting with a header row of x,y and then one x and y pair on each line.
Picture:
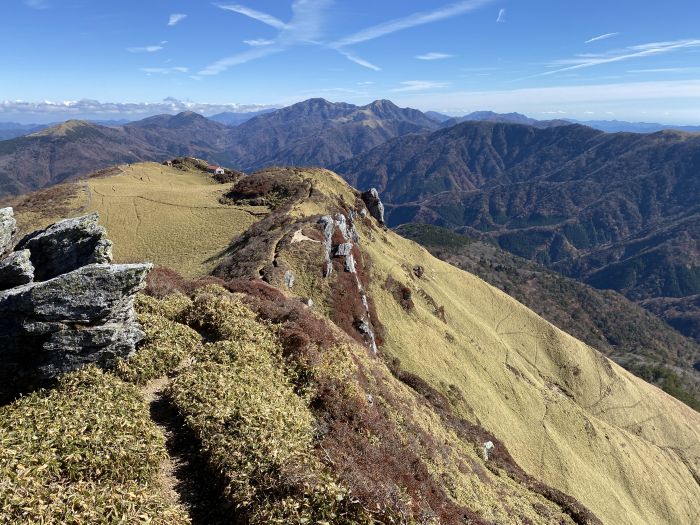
x,y
168,216
154,213
569,416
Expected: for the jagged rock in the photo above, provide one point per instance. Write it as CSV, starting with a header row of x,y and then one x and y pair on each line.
x,y
328,227
344,249
488,446
7,228
342,224
350,263
289,278
66,246
84,316
366,330
418,271
374,204
16,269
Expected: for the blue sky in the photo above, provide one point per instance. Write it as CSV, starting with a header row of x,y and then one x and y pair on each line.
x,y
590,59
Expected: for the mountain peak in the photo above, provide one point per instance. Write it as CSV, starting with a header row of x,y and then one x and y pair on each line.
x,y
64,128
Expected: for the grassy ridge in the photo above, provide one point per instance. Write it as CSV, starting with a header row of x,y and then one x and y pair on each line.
x,y
172,217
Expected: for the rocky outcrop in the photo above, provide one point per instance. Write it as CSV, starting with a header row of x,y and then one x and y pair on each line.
x,y
374,204
67,246
7,228
347,233
16,269
64,305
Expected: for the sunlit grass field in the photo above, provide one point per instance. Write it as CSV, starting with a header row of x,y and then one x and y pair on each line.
x,y
152,212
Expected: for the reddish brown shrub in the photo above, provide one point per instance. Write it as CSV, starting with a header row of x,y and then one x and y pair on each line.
x,y
163,281
400,292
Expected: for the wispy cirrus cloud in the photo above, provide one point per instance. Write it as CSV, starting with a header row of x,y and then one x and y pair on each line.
x,y
433,56
414,20
259,42
419,85
358,60
631,52
176,18
501,16
601,37
164,70
307,27
254,14
148,49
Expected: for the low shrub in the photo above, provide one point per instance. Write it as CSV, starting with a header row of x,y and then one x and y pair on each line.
x,y
166,346
85,452
258,433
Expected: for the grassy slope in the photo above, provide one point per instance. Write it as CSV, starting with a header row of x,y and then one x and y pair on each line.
x,y
569,416
152,212
623,331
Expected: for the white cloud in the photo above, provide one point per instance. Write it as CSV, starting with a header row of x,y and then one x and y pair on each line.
x,y
681,98
37,4
259,42
256,15
419,85
176,18
50,111
601,37
433,56
305,27
241,58
639,51
148,49
164,70
360,61
407,22
501,16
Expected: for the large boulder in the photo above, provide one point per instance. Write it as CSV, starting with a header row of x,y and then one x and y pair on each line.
x,y
374,204
7,228
66,246
84,316
62,304
16,269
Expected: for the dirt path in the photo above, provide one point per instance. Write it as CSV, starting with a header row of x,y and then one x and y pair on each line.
x,y
184,474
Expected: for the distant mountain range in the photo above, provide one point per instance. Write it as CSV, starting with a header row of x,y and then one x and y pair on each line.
x,y
10,130
230,118
314,132
616,126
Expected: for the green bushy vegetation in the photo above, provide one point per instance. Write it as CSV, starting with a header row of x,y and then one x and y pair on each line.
x,y
85,452
256,430
167,342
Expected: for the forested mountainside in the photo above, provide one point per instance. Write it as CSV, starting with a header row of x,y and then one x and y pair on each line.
x,y
616,211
